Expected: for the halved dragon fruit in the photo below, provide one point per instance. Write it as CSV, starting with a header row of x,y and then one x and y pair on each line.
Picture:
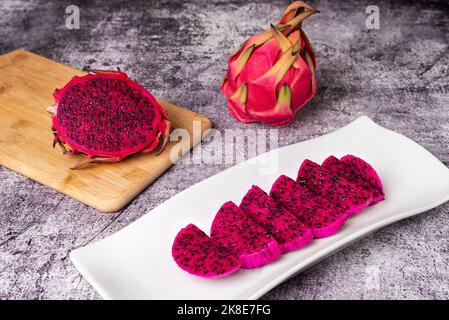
x,y
333,188
243,237
312,210
106,116
290,233
197,254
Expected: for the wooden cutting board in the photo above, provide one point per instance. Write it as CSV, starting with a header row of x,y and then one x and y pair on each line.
x,y
27,82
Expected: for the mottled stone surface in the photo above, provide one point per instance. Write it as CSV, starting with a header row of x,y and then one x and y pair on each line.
x,y
397,75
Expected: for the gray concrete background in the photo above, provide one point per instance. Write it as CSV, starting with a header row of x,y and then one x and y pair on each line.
x,y
397,75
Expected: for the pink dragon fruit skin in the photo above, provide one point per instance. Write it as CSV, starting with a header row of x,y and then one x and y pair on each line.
x,y
335,189
197,254
312,210
242,236
272,75
290,233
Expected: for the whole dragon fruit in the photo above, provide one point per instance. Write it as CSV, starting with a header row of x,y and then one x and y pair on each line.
x,y
272,75
106,116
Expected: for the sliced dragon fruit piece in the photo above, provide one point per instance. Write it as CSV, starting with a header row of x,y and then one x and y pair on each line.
x,y
358,172
312,210
290,233
363,174
197,254
242,236
332,163
333,188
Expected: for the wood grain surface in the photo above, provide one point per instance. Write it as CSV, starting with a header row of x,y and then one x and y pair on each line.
x,y
27,82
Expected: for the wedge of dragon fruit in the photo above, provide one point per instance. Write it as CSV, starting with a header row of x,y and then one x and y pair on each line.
x,y
333,188
358,172
290,233
314,211
197,254
243,237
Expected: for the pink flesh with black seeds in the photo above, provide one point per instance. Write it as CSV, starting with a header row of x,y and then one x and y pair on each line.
x,y
243,237
333,188
107,115
360,173
312,210
197,254
290,233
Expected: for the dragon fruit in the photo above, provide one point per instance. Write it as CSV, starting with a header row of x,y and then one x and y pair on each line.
x,y
290,233
335,189
243,237
364,175
197,254
106,116
272,75
312,210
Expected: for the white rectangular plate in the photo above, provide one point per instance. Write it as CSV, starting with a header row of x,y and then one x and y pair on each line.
x,y
136,262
